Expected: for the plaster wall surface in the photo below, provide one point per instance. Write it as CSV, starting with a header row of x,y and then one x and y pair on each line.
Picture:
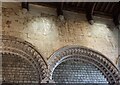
x,y
41,27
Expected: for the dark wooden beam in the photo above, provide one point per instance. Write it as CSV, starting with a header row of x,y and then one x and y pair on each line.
x,y
89,11
116,14
60,11
25,5
59,8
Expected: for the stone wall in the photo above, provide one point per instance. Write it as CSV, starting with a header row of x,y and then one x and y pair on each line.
x,y
42,28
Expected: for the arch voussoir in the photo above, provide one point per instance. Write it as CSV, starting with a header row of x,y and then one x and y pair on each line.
x,y
85,54
15,46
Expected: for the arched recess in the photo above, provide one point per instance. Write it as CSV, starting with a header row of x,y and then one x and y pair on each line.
x,y
94,58
21,62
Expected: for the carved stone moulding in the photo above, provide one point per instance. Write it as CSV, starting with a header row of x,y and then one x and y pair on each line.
x,y
118,62
93,57
15,46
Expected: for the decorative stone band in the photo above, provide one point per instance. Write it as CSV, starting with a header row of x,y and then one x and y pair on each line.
x,y
118,62
88,55
15,46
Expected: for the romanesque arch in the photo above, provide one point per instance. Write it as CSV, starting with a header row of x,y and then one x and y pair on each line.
x,y
21,62
87,57
118,62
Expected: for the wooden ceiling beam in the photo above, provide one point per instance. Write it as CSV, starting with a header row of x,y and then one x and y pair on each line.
x,y
89,11
25,5
59,8
60,11
116,14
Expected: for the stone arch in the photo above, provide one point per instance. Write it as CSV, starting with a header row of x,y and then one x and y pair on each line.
x,y
25,52
118,62
95,58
